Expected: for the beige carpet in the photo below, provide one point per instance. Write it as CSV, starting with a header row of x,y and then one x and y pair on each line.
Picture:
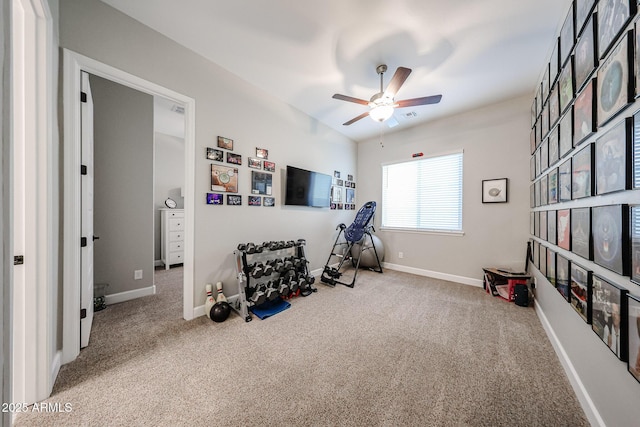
x,y
396,350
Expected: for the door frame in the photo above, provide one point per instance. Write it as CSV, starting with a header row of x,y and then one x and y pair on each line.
x,y
73,64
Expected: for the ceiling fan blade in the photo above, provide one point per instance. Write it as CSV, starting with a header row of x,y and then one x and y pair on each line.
x,y
350,99
397,81
355,119
419,101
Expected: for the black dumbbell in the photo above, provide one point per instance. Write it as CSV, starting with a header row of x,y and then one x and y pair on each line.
x,y
250,248
258,297
271,291
242,247
268,269
257,270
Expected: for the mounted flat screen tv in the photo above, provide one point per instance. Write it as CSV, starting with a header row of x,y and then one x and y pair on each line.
x,y
307,188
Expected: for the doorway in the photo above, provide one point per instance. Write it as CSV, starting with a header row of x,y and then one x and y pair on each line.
x,y
74,64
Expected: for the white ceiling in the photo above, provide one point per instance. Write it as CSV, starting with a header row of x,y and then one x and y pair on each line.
x,y
473,52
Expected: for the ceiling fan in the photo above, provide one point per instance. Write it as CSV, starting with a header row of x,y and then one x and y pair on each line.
x,y
382,103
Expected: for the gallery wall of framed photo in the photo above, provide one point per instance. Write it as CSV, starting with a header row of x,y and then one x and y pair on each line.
x,y
585,172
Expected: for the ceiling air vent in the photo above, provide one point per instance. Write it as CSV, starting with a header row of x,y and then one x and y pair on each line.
x,y
410,115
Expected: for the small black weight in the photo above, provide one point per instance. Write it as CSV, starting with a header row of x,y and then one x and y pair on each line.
x,y
521,295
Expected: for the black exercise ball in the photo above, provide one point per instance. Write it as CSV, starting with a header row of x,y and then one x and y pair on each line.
x,y
220,311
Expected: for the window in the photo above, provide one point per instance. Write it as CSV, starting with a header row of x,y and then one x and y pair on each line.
x,y
423,194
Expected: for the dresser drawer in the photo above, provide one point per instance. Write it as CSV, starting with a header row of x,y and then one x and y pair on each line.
x,y
176,224
173,214
176,247
176,258
176,236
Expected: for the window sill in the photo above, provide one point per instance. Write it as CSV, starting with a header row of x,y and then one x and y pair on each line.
x,y
418,231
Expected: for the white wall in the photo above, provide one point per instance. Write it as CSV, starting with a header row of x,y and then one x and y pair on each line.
x,y
494,139
123,186
227,106
168,169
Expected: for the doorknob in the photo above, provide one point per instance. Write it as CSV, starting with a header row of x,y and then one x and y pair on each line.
x,y
95,238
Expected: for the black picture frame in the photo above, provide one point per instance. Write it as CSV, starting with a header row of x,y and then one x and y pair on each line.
x,y
552,232
567,36
610,231
633,335
634,234
537,190
565,139
563,274
551,267
234,159
546,85
544,190
532,196
544,229
583,10
494,190
554,61
536,254
532,168
585,60
581,240
261,183
636,53
553,186
608,307
613,16
581,291
564,181
554,146
613,158
234,200
269,201
533,140
636,150
554,106
585,113
255,200
215,155
563,218
544,155
614,82
581,173
224,179
268,166
226,143
215,199
566,86
536,224
544,121
254,163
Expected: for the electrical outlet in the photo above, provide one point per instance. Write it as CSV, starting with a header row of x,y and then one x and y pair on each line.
x,y
400,255
137,275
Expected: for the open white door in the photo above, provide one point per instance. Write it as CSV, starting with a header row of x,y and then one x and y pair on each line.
x,y
86,269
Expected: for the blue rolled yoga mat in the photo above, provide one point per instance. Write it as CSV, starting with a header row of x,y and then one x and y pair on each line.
x,y
270,308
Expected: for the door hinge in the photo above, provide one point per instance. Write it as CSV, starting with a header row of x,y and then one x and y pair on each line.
x,y
18,260
83,313
83,242
83,169
83,97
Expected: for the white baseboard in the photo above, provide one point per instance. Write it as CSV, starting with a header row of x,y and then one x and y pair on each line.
x,y
587,404
129,295
434,274
198,311
158,263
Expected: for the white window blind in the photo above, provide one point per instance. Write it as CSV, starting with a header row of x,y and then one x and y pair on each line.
x,y
423,194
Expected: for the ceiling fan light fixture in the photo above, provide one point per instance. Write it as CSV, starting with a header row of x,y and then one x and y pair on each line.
x,y
381,113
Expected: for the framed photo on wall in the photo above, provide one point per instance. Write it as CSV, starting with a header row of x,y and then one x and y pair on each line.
x,y
543,260
552,231
564,229
565,144
613,16
582,179
613,82
224,179
566,37
585,57
213,154
565,86
583,12
584,114
215,199
580,291
544,229
564,181
551,267
633,337
554,149
225,143
609,315
234,200
554,106
562,277
494,190
553,186
613,158
544,190
554,61
581,243
610,225
544,155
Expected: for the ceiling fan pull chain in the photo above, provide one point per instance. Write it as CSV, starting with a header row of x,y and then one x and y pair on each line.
x,y
381,135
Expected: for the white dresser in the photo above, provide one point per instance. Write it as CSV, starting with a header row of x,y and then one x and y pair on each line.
x,y
172,236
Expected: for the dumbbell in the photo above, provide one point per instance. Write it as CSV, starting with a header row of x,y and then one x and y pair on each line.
x,y
283,288
301,242
271,291
290,244
242,247
268,269
258,296
250,248
257,270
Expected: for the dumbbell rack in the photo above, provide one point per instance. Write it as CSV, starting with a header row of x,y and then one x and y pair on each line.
x,y
268,271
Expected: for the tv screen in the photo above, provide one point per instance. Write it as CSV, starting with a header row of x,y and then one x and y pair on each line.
x,y
307,188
